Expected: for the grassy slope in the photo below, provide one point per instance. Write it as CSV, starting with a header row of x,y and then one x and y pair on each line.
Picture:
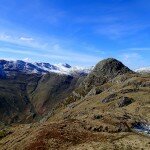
x,y
51,90
14,100
23,97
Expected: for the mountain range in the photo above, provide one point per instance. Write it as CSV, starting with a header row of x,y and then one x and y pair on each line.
x,y
43,106
11,68
143,70
7,68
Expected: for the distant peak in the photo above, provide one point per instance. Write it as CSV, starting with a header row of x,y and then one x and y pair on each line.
x,y
40,67
143,70
110,68
109,60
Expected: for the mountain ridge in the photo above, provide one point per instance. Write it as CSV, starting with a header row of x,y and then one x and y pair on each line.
x,y
7,67
11,67
106,109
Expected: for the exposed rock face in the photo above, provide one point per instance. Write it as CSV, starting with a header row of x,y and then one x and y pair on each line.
x,y
94,91
110,68
124,101
103,72
109,98
2,73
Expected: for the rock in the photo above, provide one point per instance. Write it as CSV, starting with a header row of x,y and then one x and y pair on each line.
x,y
94,91
109,98
123,91
125,101
145,84
71,106
30,117
76,94
97,116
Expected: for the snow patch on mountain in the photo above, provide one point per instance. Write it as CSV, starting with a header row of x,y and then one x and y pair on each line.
x,y
143,70
6,67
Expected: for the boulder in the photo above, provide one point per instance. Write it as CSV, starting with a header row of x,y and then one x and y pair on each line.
x,y
109,98
125,101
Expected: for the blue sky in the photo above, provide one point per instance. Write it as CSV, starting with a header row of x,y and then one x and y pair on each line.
x,y
78,32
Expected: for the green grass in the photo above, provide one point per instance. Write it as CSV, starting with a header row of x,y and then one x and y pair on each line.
x,y
3,133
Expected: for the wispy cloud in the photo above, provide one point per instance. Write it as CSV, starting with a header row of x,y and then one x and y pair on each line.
x,y
119,30
28,39
132,59
22,41
70,57
81,33
130,56
113,21
53,49
139,49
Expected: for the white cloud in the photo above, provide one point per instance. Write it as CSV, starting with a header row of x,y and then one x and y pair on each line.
x,y
22,41
27,59
53,49
27,39
7,58
133,60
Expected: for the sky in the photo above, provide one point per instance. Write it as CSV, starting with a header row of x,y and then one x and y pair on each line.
x,y
78,32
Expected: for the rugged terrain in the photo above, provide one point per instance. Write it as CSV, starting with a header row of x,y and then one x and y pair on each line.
x,y
101,111
27,97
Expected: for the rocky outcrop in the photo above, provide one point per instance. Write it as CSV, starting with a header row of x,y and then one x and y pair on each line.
x,y
106,70
103,72
125,101
110,68
109,98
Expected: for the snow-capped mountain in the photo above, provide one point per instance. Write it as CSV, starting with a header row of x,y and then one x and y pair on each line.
x,y
143,70
7,67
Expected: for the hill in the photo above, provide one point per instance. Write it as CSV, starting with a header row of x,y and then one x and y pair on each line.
x,y
27,97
